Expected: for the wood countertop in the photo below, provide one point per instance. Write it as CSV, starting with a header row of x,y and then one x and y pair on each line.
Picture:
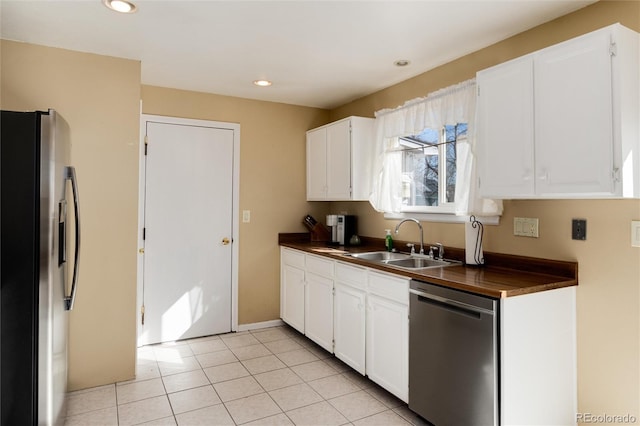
x,y
501,276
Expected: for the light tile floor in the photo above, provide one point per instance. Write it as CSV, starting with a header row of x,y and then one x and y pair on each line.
x,y
272,376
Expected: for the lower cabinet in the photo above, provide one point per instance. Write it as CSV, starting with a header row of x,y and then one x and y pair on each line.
x,y
292,289
318,310
360,315
349,315
388,333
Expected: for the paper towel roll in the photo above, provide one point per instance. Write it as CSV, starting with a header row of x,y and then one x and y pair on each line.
x,y
473,244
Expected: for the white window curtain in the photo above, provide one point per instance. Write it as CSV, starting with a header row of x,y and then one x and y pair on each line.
x,y
448,106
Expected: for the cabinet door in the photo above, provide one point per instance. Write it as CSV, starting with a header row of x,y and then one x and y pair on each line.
x,y
505,129
573,104
388,345
317,164
339,161
292,296
318,310
349,326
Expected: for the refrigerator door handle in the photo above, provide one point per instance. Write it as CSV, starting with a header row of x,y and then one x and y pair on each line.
x,y
71,175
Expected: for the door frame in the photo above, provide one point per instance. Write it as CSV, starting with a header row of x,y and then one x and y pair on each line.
x,y
235,127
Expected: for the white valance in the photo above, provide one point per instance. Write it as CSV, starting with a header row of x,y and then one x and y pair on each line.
x,y
449,106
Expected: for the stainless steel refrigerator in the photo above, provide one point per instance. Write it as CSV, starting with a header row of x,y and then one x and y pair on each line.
x,y
39,247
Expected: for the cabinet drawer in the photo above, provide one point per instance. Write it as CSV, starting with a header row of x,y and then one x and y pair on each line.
x,y
319,266
352,275
390,286
292,257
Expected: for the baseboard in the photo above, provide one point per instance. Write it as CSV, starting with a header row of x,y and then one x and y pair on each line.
x,y
259,325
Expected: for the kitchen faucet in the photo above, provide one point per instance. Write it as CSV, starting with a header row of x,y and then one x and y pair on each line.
x,y
419,226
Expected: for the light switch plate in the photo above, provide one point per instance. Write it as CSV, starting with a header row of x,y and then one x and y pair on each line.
x,y
525,227
635,233
246,216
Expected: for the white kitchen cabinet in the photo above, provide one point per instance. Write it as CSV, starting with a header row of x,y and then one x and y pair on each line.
x,y
538,379
292,288
562,122
387,344
318,304
339,158
349,323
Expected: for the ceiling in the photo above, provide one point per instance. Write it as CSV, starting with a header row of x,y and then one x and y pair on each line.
x,y
317,53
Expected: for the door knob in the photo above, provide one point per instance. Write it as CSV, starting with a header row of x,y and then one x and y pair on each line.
x,y
225,241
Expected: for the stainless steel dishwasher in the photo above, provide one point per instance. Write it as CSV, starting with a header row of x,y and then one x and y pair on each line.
x,y
453,356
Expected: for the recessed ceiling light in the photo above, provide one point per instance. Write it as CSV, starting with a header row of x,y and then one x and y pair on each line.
x,y
262,83
401,63
121,6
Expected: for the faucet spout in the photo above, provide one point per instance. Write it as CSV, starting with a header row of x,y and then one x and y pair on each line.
x,y
419,226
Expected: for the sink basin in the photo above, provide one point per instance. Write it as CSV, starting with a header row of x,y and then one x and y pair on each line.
x,y
379,256
403,260
418,263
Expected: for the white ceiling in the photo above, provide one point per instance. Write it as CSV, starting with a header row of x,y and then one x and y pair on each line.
x,y
317,53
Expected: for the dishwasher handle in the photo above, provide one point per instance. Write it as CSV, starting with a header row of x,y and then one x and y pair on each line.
x,y
452,305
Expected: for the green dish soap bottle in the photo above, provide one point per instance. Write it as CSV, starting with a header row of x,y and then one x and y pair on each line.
x,y
388,241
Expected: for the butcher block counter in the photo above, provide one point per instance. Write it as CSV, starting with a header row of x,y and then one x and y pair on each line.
x,y
501,276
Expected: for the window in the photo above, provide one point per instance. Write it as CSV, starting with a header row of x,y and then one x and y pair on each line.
x,y
429,168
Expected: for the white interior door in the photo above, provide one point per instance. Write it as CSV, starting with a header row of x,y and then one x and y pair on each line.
x,y
188,232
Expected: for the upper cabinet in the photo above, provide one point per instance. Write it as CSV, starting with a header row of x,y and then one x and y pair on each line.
x,y
563,122
339,158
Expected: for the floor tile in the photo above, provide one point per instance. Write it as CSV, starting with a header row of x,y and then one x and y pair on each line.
x,y
269,335
319,352
277,379
313,370
183,381
388,399
145,353
236,341
333,386
337,365
139,390
296,357
221,373
252,408
386,418
206,346
88,400
296,396
144,411
263,364
216,358
238,388
357,405
178,365
167,353
410,416
193,399
358,379
320,414
277,420
214,415
284,345
251,351
103,417
165,421
147,370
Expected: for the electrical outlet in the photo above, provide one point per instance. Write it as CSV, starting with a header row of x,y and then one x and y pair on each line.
x,y
246,216
525,227
635,233
579,229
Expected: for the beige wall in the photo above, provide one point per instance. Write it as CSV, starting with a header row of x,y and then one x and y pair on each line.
x,y
272,182
99,97
609,268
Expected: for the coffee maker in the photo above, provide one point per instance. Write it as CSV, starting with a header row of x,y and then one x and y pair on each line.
x,y
343,227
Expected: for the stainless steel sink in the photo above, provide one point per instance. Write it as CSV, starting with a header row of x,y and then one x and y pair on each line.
x,y
418,263
403,260
378,256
